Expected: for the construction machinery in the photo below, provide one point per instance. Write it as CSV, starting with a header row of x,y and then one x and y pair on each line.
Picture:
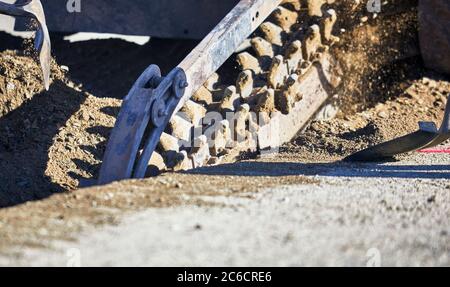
x,y
193,116
32,9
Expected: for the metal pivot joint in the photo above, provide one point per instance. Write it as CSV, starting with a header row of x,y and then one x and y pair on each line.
x,y
145,113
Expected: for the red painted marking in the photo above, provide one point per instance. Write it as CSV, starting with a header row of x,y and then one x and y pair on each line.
x,y
436,150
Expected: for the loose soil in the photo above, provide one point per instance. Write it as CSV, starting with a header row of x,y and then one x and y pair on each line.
x,y
51,142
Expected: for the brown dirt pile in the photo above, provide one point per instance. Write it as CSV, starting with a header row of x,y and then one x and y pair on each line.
x,y
48,140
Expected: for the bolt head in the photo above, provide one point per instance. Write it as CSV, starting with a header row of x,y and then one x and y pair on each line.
x,y
184,84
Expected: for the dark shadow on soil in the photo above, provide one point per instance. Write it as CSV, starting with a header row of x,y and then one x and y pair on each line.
x,y
108,68
336,169
8,42
26,135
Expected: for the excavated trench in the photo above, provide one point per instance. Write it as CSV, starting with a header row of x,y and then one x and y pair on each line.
x,y
54,141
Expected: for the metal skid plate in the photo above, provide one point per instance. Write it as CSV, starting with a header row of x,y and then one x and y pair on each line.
x,y
186,19
426,137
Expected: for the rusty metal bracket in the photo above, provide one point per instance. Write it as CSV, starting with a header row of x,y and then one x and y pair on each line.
x,y
427,136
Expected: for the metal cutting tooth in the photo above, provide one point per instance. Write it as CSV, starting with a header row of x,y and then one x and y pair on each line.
x,y
262,47
194,111
295,4
200,154
315,7
244,84
289,95
203,96
231,100
285,18
212,82
266,102
327,25
220,137
248,62
181,128
240,122
268,82
294,56
277,73
168,147
272,33
312,43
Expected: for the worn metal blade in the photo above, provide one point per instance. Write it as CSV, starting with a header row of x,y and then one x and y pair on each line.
x,y
426,137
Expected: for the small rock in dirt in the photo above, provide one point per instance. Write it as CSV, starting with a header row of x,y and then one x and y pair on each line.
x,y
383,115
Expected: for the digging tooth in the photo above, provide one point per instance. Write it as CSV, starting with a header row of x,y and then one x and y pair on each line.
x,y
253,99
294,56
327,24
262,47
231,100
244,84
266,102
312,43
200,154
295,4
157,160
286,98
156,164
212,82
180,128
272,33
195,112
183,162
315,7
168,143
169,148
278,72
285,18
248,62
241,122
203,96
268,82
220,138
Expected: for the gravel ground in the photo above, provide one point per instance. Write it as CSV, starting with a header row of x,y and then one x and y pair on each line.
x,y
333,220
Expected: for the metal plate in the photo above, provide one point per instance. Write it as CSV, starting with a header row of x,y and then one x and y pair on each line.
x,y
187,19
126,137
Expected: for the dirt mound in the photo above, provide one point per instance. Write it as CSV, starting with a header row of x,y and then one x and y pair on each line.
x,y
51,141
48,140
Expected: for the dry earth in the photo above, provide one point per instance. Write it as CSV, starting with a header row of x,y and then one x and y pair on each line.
x,y
303,201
